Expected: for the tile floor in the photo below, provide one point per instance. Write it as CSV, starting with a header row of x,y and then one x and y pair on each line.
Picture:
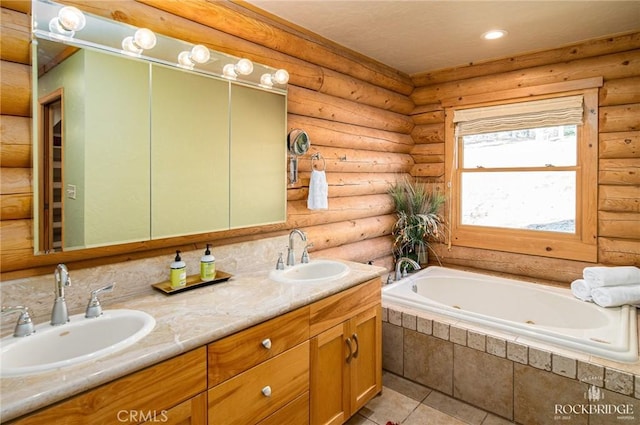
x,y
407,403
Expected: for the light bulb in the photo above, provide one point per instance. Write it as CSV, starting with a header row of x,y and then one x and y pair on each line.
x,y
145,38
184,60
266,81
244,67
229,71
142,39
71,18
200,54
281,76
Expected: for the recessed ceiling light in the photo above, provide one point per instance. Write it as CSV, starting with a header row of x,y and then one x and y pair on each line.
x,y
494,34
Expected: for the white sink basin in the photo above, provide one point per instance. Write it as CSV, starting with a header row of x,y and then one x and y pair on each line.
x,y
81,339
312,272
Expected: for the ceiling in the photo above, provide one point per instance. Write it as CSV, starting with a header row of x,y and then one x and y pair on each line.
x,y
420,36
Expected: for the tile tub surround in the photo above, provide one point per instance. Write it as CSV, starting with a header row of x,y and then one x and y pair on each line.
x,y
516,379
184,321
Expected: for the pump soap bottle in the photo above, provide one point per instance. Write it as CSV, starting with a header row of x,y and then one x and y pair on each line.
x,y
178,276
207,266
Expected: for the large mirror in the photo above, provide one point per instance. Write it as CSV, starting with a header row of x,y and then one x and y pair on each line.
x,y
133,146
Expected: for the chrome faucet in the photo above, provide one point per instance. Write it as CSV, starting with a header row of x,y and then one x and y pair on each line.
x,y
24,327
401,260
290,258
59,314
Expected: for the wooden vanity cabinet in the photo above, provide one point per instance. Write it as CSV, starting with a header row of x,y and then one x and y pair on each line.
x,y
318,364
346,353
168,392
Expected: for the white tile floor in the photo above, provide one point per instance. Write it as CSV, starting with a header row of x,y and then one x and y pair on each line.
x,y
406,403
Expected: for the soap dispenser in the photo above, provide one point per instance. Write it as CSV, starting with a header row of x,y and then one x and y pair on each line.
x,y
207,266
178,276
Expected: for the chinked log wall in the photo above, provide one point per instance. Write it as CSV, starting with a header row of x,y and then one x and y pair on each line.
x,y
356,111
617,60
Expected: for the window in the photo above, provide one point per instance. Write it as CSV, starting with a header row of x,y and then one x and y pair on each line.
x,y
523,175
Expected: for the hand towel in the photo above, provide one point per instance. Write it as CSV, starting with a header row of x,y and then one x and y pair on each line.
x,y
614,296
318,191
581,290
611,276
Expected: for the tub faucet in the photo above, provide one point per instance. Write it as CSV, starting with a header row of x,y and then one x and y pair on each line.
x,y
59,314
290,258
401,260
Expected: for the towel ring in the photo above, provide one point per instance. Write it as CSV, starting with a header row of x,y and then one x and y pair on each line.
x,y
317,156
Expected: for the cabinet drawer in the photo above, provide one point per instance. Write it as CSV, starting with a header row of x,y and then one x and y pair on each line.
x,y
239,352
241,400
294,413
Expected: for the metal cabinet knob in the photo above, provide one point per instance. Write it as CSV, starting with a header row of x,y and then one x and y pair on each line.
x,y
266,343
266,391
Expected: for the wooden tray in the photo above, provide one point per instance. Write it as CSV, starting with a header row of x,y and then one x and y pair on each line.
x,y
193,282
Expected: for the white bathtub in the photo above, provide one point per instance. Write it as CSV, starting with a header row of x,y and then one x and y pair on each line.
x,y
539,312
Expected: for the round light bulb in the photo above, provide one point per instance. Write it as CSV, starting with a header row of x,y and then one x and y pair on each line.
x,y
229,71
71,18
200,54
244,67
184,60
129,45
281,76
145,38
265,80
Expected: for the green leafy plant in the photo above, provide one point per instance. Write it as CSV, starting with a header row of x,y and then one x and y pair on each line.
x,y
419,223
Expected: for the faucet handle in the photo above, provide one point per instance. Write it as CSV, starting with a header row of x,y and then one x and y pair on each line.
x,y
305,253
24,326
280,263
94,309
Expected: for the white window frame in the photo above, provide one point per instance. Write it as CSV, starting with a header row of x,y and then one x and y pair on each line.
x,y
581,245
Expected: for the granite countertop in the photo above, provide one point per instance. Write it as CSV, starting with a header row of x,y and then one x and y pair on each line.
x,y
184,321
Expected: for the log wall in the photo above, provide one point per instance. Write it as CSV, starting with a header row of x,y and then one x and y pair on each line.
x,y
370,122
617,60
356,111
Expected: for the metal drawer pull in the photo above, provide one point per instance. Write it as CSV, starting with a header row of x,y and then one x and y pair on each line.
x,y
355,339
266,391
266,343
348,341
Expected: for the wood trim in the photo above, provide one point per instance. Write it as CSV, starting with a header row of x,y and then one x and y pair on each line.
x,y
580,247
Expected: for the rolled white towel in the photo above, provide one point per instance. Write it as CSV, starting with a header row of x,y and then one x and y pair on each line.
x,y
611,276
614,296
581,290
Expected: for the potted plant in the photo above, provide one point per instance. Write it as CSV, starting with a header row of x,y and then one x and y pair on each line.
x,y
419,222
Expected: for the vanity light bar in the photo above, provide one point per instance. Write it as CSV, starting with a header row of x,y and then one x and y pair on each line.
x,y
60,23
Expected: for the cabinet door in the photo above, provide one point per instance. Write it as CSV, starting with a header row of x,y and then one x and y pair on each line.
x,y
330,376
366,364
190,412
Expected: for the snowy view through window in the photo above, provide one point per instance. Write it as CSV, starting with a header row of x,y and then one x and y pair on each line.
x,y
523,179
